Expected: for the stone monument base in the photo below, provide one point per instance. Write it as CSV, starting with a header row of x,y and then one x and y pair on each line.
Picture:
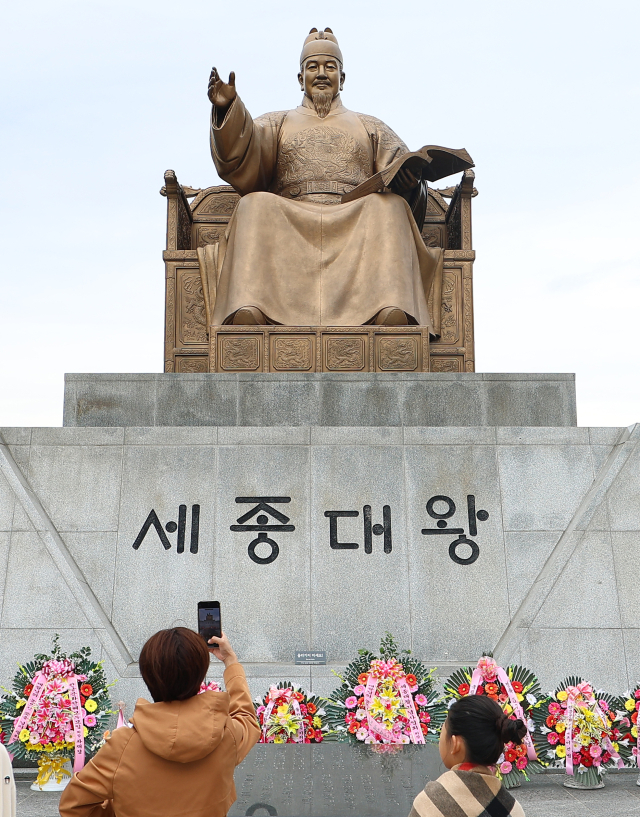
x,y
319,349
320,399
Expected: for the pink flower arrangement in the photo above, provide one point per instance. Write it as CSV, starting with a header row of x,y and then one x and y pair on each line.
x,y
386,701
489,668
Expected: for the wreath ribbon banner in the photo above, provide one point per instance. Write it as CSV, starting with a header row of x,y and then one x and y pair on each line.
x,y
274,694
39,685
478,677
412,715
592,704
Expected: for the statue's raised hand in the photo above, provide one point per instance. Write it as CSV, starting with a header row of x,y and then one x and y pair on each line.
x,y
221,93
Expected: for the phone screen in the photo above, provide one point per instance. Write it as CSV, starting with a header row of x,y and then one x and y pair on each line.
x,y
209,622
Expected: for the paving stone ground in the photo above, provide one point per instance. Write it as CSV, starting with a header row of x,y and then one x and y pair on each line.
x,y
544,796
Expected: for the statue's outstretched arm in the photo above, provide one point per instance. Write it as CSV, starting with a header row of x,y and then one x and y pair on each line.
x,y
244,151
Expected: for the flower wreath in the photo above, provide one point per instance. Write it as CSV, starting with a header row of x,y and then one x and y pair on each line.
x,y
388,699
582,730
287,714
518,692
58,708
631,704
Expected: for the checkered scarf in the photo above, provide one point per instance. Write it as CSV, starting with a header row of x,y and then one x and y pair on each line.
x,y
466,794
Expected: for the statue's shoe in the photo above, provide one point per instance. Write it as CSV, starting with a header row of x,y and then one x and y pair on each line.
x,y
249,316
391,316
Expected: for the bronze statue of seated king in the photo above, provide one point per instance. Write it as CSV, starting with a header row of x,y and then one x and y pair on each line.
x,y
294,254
326,250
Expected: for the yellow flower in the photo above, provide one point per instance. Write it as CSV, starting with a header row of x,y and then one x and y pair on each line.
x,y
91,705
278,739
70,744
520,696
508,709
85,730
24,735
615,746
634,731
20,703
561,751
560,727
281,710
562,696
629,705
60,744
585,740
48,747
317,722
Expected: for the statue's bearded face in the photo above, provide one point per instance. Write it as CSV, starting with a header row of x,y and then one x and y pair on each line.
x,y
321,79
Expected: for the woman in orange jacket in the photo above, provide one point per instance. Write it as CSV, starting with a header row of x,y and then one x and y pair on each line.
x,y
180,755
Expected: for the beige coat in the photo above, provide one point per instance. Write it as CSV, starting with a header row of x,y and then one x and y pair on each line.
x,y
177,760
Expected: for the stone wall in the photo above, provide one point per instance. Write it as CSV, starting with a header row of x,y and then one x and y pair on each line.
x,y
324,399
554,585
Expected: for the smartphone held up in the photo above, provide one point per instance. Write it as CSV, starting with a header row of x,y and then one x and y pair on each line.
x,y
209,622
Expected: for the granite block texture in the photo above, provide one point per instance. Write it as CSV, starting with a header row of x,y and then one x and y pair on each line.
x,y
554,585
324,399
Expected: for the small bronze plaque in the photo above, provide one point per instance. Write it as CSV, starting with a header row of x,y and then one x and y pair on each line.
x,y
292,354
398,354
240,354
345,354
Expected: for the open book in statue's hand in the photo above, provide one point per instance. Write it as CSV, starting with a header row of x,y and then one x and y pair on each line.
x,y
430,163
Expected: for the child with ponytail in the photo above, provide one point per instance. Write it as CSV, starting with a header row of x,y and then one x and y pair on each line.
x,y
471,741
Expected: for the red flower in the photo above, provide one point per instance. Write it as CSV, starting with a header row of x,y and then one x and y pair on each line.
x,y
480,690
361,701
28,689
586,760
517,687
319,737
353,727
363,678
425,717
491,689
510,755
411,680
311,708
551,721
424,728
463,689
86,690
606,757
311,733
493,697
82,700
563,737
634,717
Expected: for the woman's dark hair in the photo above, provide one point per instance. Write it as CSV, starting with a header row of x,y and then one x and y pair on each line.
x,y
173,664
484,727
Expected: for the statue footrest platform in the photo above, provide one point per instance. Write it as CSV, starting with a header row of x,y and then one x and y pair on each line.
x,y
319,349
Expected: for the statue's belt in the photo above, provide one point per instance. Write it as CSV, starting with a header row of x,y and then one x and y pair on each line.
x,y
293,191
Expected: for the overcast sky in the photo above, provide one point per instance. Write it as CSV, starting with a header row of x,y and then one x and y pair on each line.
x,y
100,98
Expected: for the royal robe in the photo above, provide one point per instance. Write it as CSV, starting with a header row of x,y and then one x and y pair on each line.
x,y
291,248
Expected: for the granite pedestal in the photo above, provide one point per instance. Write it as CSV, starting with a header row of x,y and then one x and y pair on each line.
x,y
457,539
322,399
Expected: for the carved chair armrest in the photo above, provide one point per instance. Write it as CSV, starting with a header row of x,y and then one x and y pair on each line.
x,y
458,218
179,216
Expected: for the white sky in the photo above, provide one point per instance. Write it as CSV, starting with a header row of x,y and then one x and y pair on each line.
x,y
100,98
